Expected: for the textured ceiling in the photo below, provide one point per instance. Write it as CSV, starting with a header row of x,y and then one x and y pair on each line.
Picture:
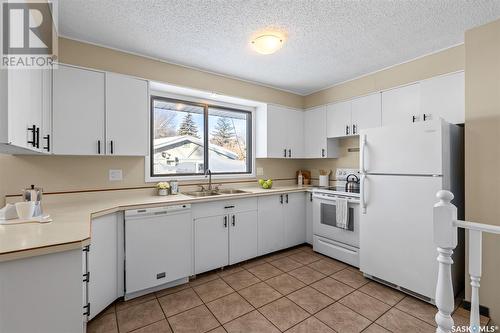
x,y
328,41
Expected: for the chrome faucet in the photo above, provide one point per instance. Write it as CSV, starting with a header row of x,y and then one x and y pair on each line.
x,y
209,173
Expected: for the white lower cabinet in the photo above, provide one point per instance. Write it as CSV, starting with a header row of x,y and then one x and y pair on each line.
x,y
282,221
243,236
210,243
104,269
42,294
225,233
294,215
309,218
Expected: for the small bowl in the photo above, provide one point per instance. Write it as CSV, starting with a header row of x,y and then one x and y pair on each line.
x,y
25,209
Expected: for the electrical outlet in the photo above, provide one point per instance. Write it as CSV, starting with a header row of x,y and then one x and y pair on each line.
x,y
115,175
260,171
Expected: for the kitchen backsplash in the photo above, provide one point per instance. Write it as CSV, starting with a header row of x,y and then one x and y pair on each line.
x,y
74,173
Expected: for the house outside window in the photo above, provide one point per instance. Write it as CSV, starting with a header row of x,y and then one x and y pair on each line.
x,y
188,138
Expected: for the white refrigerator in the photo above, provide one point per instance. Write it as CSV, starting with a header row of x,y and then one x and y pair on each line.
x,y
403,168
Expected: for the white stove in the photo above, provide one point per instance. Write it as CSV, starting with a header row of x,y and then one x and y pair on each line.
x,y
331,236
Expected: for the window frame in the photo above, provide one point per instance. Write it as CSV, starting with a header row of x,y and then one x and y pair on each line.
x,y
250,161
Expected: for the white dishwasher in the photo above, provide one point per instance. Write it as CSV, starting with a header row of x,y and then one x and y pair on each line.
x,y
158,246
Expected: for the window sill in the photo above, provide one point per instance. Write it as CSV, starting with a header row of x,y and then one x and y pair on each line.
x,y
150,179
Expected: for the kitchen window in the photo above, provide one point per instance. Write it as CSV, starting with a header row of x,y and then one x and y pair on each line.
x,y
188,138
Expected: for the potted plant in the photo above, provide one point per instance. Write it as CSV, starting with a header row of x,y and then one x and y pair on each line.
x,y
163,188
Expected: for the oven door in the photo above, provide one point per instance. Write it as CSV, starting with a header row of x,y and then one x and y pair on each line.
x,y
325,220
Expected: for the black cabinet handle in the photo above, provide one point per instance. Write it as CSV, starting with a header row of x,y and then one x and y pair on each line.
x,y
227,207
284,152
33,135
413,119
323,152
281,199
37,131
310,197
286,198
99,146
426,116
225,221
234,221
111,144
354,129
47,147
289,153
347,130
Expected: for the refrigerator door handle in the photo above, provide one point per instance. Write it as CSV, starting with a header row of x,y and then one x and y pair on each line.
x,y
362,194
362,154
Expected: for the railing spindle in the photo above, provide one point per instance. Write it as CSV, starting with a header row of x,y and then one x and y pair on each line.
x,y
445,238
475,255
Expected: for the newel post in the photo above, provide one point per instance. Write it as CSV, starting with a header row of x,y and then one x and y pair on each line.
x,y
445,238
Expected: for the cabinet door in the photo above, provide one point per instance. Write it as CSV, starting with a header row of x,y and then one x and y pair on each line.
x,y
46,132
294,217
127,115
211,243
400,105
366,112
309,217
243,243
102,263
271,232
276,131
78,113
338,119
315,133
295,133
158,250
444,96
25,107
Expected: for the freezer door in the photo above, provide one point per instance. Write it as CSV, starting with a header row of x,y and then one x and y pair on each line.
x,y
414,149
396,232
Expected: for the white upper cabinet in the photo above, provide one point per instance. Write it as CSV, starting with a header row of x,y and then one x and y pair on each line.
x,y
315,132
127,115
444,96
78,111
280,132
366,112
338,119
401,105
97,113
25,97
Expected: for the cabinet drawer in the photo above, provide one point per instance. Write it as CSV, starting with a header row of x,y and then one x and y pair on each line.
x,y
222,207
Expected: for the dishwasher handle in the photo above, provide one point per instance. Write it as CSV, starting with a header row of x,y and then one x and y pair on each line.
x,y
157,211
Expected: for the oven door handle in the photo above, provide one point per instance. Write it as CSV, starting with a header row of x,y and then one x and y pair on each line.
x,y
362,194
330,199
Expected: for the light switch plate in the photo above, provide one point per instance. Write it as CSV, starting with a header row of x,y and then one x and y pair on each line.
x,y
260,171
115,175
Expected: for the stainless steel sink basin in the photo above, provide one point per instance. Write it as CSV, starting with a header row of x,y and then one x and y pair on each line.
x,y
202,193
231,191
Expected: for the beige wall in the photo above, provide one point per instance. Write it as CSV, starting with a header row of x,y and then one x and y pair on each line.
x,y
446,61
482,150
86,55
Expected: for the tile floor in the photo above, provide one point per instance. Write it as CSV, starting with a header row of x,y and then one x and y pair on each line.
x,y
296,291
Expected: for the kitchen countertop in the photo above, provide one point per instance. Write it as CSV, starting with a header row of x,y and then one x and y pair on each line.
x,y
71,214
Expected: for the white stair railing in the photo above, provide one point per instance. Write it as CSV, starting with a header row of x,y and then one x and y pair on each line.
x,y
445,237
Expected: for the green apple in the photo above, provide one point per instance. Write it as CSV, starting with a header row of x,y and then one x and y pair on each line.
x,y
261,182
265,186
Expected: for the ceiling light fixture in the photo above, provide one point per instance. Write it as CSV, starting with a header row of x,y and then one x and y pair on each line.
x,y
267,44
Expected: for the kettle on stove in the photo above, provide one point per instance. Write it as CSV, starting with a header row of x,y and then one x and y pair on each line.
x,y
352,184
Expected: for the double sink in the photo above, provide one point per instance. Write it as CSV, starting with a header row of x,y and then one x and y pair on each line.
x,y
209,193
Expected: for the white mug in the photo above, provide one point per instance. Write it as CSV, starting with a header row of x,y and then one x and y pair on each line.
x,y
25,209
